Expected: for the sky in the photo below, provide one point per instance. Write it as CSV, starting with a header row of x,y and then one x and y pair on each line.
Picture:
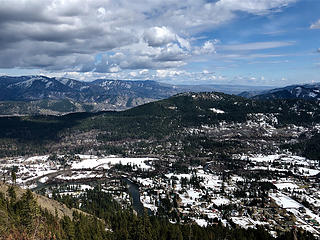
x,y
238,42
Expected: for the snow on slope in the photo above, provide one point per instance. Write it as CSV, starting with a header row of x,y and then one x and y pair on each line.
x,y
284,201
90,162
216,110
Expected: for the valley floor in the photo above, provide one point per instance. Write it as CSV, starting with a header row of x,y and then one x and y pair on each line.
x,y
279,192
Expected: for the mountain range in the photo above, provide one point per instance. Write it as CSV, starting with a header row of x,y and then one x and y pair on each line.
x,y
33,95
304,91
52,95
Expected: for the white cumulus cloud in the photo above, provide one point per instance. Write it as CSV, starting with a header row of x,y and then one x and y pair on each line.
x,y
315,25
67,36
158,36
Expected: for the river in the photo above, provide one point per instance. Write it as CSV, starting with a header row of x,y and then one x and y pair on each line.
x,y
133,190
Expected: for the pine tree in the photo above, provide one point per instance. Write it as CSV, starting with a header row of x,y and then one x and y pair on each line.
x,y
30,212
12,194
68,227
13,176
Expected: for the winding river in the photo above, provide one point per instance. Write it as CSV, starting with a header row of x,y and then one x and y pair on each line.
x,y
133,190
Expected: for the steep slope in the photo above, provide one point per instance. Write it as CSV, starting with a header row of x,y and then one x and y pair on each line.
x,y
51,205
34,88
26,215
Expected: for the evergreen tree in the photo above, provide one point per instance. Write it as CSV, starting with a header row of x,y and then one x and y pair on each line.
x,y
30,212
12,193
13,176
68,228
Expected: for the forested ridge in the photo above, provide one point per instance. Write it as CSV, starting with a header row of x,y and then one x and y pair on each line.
x,y
104,132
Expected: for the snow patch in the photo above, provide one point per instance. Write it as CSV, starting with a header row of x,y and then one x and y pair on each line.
x,y
215,110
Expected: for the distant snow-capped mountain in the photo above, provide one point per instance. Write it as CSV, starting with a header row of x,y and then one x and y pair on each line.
x,y
41,94
53,95
305,91
28,88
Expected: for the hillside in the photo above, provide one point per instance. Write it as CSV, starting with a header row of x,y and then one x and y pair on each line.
x,y
26,215
305,91
172,119
50,205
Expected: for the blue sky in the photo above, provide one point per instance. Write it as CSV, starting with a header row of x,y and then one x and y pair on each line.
x,y
247,42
